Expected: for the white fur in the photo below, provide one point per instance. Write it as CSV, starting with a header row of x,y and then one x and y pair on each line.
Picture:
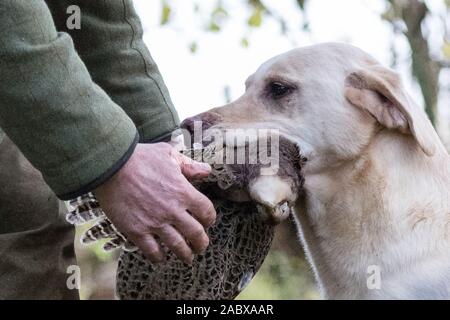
x,y
377,188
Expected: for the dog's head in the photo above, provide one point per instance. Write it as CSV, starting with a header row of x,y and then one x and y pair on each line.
x,y
330,99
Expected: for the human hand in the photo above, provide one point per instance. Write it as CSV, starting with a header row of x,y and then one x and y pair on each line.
x,y
151,199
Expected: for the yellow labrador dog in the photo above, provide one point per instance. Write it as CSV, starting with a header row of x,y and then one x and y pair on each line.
x,y
375,215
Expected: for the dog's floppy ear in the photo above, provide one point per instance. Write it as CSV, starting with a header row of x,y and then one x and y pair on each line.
x,y
379,91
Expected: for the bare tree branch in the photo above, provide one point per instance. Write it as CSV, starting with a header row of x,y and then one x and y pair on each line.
x,y
425,69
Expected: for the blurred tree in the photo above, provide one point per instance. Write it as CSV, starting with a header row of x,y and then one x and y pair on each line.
x,y
425,68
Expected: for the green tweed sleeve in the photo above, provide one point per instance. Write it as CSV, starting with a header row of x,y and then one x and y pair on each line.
x,y
64,123
110,42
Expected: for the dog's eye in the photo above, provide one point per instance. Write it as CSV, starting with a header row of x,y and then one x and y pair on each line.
x,y
278,90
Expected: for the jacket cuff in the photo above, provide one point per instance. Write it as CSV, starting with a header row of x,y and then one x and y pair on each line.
x,y
165,137
104,176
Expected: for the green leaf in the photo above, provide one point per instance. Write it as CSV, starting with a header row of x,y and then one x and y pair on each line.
x,y
193,47
390,14
166,13
255,19
219,12
214,27
244,42
218,16
301,4
446,49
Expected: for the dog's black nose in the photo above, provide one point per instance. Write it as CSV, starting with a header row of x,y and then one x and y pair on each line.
x,y
201,121
188,124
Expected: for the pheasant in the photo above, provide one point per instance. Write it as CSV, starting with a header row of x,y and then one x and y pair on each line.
x,y
248,203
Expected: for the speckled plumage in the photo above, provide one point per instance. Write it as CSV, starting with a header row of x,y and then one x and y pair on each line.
x,y
239,241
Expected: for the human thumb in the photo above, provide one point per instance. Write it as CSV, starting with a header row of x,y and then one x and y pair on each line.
x,y
192,169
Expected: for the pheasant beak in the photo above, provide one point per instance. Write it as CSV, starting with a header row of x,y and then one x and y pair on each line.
x,y
274,214
273,195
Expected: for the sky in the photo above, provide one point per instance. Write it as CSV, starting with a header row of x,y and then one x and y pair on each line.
x,y
197,81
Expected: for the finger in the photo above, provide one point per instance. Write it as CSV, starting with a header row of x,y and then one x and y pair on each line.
x,y
193,231
201,207
150,248
192,169
176,243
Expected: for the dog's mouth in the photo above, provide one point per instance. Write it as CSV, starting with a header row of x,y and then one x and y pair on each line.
x,y
266,173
